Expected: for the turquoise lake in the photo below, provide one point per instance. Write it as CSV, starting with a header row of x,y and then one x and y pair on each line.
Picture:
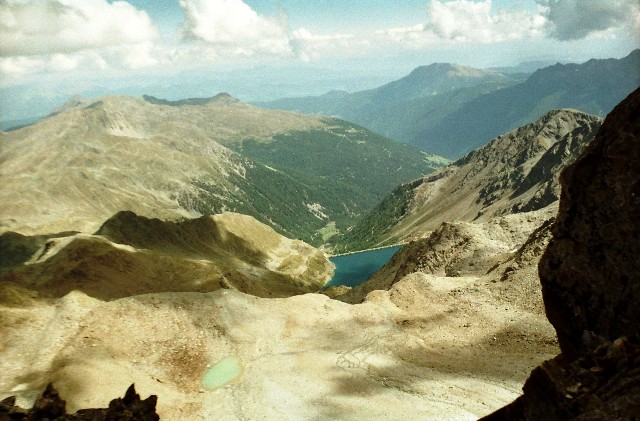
x,y
354,269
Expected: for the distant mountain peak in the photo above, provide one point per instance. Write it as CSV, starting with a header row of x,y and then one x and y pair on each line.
x,y
432,68
75,101
222,97
336,93
561,113
449,70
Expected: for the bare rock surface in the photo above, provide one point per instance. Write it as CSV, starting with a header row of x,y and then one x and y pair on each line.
x,y
589,276
491,249
431,346
133,255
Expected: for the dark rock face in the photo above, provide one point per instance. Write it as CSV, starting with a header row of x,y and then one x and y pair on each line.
x,y
590,272
51,407
602,385
590,276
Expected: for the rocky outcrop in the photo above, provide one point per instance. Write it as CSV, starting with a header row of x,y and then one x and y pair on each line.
x,y
497,247
589,276
50,406
589,273
600,385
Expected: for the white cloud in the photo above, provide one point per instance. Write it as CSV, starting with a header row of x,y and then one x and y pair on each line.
x,y
29,65
308,46
137,56
414,36
576,19
114,58
16,66
233,27
37,27
463,21
470,21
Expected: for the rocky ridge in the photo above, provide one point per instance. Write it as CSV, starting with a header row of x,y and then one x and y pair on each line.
x,y
132,255
516,172
497,250
50,406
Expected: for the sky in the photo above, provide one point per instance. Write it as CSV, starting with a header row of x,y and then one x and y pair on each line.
x,y
176,47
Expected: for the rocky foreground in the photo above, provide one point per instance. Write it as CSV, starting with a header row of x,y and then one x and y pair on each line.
x,y
83,315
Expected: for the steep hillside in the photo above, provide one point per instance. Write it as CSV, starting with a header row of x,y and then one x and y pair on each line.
x,y
133,255
303,175
594,87
401,108
515,172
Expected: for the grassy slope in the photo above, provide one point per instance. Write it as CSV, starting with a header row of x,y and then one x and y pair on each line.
x,y
346,170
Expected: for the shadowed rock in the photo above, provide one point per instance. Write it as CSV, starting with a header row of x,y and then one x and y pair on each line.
x,y
590,270
589,276
50,406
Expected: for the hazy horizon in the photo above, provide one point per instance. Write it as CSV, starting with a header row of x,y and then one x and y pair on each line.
x,y
257,50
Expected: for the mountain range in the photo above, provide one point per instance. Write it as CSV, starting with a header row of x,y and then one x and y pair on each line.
x,y
401,108
450,110
516,172
449,328
306,176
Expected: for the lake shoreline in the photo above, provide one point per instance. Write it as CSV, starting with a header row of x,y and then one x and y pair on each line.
x,y
366,250
354,268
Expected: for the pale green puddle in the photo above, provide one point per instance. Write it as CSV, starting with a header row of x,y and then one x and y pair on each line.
x,y
227,370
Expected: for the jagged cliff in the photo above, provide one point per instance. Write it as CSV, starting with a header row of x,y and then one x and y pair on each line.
x,y
589,275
